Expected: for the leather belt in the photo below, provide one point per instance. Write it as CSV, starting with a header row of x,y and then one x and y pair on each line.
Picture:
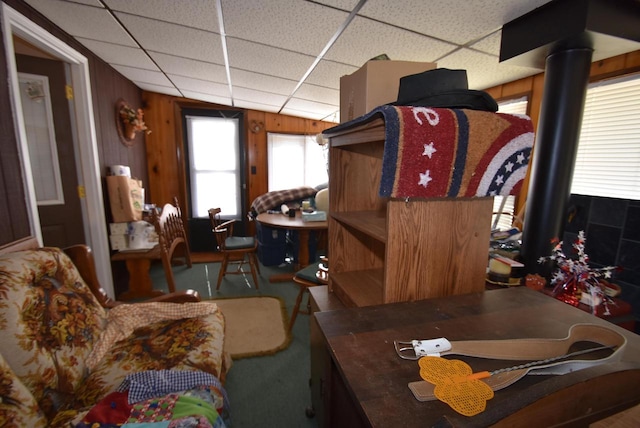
x,y
531,349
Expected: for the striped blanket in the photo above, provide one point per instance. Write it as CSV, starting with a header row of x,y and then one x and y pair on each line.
x,y
451,153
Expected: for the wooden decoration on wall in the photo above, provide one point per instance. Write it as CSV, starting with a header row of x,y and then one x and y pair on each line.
x,y
256,126
129,121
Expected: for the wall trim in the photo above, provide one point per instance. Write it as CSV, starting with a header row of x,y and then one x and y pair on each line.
x,y
82,113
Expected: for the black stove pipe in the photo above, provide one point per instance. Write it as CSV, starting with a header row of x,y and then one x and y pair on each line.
x,y
554,154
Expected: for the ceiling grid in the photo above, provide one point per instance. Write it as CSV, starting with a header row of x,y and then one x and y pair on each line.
x,y
285,56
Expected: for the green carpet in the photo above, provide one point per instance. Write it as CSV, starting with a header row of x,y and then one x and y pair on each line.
x,y
267,391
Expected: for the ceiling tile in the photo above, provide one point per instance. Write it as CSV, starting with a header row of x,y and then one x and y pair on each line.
x,y
256,106
295,25
251,95
306,105
202,86
264,59
490,44
317,93
365,39
484,71
457,21
201,14
159,89
119,55
328,74
174,39
302,109
251,80
190,67
207,97
89,22
146,76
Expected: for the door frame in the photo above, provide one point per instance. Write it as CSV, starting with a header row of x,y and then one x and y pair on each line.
x,y
89,178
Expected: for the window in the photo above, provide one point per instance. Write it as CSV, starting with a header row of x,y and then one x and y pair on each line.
x,y
214,165
504,207
608,159
295,160
41,139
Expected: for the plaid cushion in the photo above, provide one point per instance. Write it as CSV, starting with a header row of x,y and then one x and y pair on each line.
x,y
273,200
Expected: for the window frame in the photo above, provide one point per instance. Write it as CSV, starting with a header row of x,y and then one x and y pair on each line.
x,y
242,176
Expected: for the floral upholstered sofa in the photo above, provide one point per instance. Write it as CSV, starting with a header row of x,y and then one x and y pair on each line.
x,y
70,356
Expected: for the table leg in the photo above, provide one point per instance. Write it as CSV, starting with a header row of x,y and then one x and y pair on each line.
x,y
303,258
140,285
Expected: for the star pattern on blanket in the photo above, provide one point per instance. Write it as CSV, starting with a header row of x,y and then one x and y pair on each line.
x,y
506,174
425,178
429,150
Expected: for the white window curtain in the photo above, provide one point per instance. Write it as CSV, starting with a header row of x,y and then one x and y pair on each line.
x,y
504,207
295,160
608,159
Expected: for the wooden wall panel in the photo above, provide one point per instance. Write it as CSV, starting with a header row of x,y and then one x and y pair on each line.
x,y
165,145
157,158
107,85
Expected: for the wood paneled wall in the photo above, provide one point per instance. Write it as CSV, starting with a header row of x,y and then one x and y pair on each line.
x,y
107,86
166,145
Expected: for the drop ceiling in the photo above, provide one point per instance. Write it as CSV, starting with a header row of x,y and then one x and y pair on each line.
x,y
285,56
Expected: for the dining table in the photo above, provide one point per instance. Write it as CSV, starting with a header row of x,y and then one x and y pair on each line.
x,y
284,221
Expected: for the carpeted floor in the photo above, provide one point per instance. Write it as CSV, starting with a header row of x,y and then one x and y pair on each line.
x,y
267,391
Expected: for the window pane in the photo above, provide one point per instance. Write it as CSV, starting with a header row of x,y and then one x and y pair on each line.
x,y
43,152
294,161
214,143
214,160
215,189
608,159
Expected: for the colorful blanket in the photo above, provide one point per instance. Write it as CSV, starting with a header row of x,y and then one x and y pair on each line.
x,y
162,399
451,153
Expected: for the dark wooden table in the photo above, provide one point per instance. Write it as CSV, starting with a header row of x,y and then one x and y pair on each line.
x,y
138,263
365,382
303,228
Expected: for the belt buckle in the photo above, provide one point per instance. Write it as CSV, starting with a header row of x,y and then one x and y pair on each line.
x,y
414,349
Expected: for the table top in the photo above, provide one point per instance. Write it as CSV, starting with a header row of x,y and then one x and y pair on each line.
x,y
360,341
285,222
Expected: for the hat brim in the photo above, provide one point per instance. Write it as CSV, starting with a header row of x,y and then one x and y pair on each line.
x,y
467,98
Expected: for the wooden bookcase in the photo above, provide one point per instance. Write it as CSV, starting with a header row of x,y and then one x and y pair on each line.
x,y
386,250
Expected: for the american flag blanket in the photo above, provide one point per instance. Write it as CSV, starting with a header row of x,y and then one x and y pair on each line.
x,y
451,153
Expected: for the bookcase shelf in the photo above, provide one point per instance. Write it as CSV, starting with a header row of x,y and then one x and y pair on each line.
x,y
385,250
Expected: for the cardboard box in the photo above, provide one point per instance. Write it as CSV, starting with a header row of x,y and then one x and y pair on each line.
x,y
119,242
126,197
119,228
374,84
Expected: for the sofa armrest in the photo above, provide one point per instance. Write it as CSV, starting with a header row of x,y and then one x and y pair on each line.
x,y
82,257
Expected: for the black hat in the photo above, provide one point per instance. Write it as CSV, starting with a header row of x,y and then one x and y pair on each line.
x,y
445,88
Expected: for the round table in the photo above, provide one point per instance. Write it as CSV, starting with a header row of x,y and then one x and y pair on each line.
x,y
303,228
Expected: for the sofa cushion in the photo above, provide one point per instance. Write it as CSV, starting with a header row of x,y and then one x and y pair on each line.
x,y
18,408
50,320
185,344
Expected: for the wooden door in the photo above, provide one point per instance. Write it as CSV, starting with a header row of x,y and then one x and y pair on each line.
x,y
61,219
